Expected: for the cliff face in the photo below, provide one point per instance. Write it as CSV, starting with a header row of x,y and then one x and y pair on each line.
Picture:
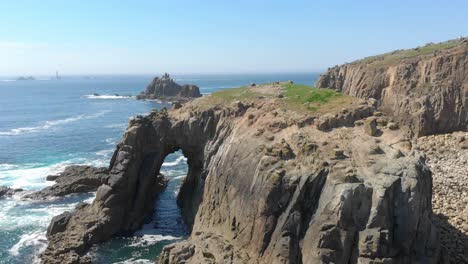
x,y
265,185
165,88
424,89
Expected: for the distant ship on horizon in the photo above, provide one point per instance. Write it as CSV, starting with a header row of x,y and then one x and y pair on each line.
x,y
57,76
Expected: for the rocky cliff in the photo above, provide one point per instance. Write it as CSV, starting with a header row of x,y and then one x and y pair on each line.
x,y
267,183
424,89
166,89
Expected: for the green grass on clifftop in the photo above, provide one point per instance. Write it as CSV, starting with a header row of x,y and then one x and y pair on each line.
x,y
296,97
398,55
311,98
239,93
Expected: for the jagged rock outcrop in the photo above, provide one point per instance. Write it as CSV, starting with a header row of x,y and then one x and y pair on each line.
x,y
7,191
264,186
166,89
74,179
424,89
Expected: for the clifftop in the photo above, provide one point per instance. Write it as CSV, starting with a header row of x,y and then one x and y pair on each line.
x,y
166,89
424,89
424,52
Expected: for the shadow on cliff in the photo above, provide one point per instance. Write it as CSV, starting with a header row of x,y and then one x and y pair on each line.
x,y
453,240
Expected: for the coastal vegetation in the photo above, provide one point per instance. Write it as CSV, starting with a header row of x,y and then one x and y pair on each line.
x,y
292,96
394,57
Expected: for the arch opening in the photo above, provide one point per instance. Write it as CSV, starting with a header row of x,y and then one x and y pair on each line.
x,y
166,224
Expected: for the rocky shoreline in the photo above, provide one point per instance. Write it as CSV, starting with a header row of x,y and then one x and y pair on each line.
x,y
334,177
353,194
447,156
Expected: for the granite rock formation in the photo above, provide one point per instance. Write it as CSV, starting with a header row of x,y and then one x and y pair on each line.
x,y
165,88
264,185
74,179
424,89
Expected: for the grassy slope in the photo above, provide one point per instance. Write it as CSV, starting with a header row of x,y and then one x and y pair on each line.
x,y
297,97
398,55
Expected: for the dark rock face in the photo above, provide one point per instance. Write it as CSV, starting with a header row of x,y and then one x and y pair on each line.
x,y
165,88
74,179
287,195
7,191
58,223
427,94
122,212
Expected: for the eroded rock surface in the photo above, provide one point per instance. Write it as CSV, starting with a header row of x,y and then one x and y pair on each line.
x,y
424,89
264,186
74,179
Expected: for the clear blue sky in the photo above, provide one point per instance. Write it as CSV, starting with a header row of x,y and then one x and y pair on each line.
x,y
141,37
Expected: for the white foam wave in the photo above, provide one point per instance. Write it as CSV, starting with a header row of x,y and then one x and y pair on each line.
x,y
36,239
176,162
179,177
135,261
7,167
28,177
108,96
111,141
49,124
16,213
149,240
32,176
105,152
119,126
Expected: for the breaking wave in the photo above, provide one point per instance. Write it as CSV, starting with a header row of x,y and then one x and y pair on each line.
x,y
49,124
108,96
178,161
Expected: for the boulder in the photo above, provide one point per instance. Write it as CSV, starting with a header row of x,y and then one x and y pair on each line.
x,y
58,223
370,126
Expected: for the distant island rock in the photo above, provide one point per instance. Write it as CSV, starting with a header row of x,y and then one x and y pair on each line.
x,y
165,88
23,78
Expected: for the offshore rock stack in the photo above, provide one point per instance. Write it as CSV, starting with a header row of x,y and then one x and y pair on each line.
x,y
164,88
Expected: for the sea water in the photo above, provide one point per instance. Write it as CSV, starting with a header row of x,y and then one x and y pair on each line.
x,y
48,124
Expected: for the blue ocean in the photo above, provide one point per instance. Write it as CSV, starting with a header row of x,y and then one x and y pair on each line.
x,y
47,124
